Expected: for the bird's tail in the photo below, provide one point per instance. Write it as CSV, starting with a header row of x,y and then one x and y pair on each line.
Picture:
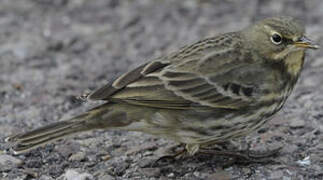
x,y
101,117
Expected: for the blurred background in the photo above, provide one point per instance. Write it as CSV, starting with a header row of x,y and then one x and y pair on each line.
x,y
52,51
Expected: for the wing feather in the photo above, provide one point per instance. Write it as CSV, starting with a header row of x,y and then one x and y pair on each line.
x,y
105,92
213,79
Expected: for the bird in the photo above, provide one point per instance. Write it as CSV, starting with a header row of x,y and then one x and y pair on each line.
x,y
212,91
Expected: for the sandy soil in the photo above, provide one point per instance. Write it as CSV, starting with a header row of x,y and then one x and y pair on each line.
x,y
54,50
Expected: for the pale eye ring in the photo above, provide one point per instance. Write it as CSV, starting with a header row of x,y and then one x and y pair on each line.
x,y
276,38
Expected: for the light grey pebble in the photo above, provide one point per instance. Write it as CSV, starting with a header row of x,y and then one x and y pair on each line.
x,y
8,162
297,123
79,156
286,178
44,177
151,172
276,175
106,177
145,162
170,175
72,174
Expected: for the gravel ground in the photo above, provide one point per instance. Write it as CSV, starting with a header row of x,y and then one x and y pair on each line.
x,y
54,50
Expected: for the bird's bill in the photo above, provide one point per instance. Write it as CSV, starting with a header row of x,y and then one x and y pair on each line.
x,y
304,42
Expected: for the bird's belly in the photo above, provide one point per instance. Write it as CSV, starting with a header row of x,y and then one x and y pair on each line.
x,y
233,125
203,127
240,124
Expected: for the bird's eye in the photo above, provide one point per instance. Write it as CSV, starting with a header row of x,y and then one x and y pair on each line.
x,y
276,39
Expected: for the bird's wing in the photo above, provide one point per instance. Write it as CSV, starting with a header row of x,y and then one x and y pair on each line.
x,y
214,79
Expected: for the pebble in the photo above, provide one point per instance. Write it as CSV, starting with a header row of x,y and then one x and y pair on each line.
x,y
220,174
297,123
276,175
68,149
170,175
79,156
43,177
286,178
72,174
197,174
120,168
151,172
145,162
304,162
106,177
8,162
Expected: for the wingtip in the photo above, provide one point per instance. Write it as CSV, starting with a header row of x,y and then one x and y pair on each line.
x,y
15,149
7,139
15,152
11,146
10,138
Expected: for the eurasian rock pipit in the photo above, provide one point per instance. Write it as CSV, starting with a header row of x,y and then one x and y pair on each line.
x,y
211,91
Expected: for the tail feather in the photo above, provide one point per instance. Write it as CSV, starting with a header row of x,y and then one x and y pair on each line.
x,y
28,144
43,131
24,142
38,137
102,117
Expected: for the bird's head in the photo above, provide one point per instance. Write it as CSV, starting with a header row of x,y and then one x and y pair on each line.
x,y
278,37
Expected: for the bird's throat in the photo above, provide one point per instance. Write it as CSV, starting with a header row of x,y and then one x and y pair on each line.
x,y
294,62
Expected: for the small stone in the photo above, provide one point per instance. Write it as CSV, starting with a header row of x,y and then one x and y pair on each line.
x,y
145,162
67,149
171,175
106,157
8,162
106,177
72,174
77,157
246,170
151,172
286,178
197,174
121,168
297,123
43,177
304,162
220,174
276,175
